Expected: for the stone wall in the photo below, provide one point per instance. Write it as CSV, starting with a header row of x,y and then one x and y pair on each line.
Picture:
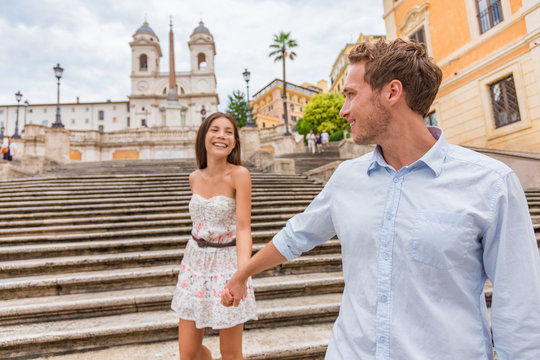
x,y
349,150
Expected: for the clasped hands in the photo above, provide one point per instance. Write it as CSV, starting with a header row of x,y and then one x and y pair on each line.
x,y
234,291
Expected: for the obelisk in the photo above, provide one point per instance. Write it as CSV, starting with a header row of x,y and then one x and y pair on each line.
x,y
173,112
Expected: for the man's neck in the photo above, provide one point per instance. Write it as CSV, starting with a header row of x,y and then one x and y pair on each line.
x,y
406,142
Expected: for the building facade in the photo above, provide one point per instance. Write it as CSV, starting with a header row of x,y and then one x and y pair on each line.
x,y
489,53
267,103
340,68
146,105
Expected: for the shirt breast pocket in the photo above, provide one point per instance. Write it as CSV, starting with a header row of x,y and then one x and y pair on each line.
x,y
441,239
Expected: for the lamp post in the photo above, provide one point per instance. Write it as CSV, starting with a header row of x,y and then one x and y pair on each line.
x,y
247,76
58,70
18,96
25,112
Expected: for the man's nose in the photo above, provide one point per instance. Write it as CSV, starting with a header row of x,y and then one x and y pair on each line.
x,y
344,112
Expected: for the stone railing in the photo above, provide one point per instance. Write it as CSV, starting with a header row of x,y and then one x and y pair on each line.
x,y
131,136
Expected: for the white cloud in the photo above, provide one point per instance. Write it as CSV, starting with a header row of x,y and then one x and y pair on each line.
x,y
90,39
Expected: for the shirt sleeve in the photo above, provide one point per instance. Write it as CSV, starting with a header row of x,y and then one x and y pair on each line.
x,y
512,263
308,229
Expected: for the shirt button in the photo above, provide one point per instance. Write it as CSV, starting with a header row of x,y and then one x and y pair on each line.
x,y
396,180
384,299
382,339
386,256
388,216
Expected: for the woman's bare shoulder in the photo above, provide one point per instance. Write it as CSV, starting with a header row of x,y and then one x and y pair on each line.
x,y
239,171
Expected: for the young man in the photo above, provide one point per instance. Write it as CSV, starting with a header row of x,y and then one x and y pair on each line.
x,y
311,141
325,138
422,223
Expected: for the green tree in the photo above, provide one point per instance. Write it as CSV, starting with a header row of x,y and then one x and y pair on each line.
x,y
281,50
237,106
322,112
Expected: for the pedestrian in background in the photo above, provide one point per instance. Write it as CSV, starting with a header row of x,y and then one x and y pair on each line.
x,y
325,138
8,149
319,143
311,141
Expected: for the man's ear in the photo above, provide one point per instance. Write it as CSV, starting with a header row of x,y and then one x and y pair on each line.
x,y
393,92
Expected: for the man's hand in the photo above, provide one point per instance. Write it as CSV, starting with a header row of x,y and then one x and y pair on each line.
x,y
235,290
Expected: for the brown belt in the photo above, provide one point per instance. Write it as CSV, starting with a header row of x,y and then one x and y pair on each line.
x,y
204,243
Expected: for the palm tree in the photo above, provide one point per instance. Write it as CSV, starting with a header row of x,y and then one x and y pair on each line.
x,y
281,49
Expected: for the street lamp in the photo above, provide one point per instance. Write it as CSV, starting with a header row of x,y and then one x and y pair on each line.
x,y
58,70
25,112
285,116
18,96
247,75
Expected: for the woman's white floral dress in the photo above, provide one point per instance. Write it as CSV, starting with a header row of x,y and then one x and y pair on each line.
x,y
205,271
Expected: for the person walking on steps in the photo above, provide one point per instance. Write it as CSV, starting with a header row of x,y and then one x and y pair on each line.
x,y
8,149
311,139
221,242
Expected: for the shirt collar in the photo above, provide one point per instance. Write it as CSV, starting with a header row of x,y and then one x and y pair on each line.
x,y
434,158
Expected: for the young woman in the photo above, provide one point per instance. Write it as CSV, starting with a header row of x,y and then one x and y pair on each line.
x,y
220,210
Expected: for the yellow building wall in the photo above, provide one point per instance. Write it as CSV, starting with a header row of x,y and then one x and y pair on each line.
x,y
515,5
125,155
269,106
75,155
470,64
448,17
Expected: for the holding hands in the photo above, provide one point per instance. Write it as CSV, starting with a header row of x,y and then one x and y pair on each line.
x,y
235,290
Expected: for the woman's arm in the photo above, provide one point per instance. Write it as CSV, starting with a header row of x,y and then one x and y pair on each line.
x,y
242,184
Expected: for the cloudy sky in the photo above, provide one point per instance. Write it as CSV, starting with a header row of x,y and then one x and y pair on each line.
x,y
90,39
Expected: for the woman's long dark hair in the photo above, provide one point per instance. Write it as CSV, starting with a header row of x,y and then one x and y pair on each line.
x,y
200,149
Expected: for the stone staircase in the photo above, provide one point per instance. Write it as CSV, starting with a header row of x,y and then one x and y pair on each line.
x,y
90,261
88,265
306,161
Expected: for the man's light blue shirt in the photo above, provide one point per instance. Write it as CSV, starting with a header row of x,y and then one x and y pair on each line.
x,y
417,246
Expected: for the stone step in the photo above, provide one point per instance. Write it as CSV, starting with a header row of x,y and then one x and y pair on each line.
x,y
115,246
156,209
28,267
159,272
283,343
32,340
122,202
157,191
111,231
65,221
105,303
180,190
115,197
182,225
146,203
129,179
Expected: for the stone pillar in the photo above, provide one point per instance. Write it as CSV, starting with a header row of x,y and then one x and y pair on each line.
x,y
173,115
250,141
57,144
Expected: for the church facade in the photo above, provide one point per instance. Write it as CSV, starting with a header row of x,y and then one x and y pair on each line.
x,y
146,106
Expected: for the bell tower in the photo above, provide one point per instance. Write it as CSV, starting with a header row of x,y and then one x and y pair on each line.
x,y
145,56
202,50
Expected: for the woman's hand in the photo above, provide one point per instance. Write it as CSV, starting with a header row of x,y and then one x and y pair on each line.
x,y
235,290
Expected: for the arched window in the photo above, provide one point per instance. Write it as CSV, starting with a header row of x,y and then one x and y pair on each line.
x,y
201,60
101,115
143,62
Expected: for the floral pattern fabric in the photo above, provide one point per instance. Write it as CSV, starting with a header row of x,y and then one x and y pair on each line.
x,y
204,272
